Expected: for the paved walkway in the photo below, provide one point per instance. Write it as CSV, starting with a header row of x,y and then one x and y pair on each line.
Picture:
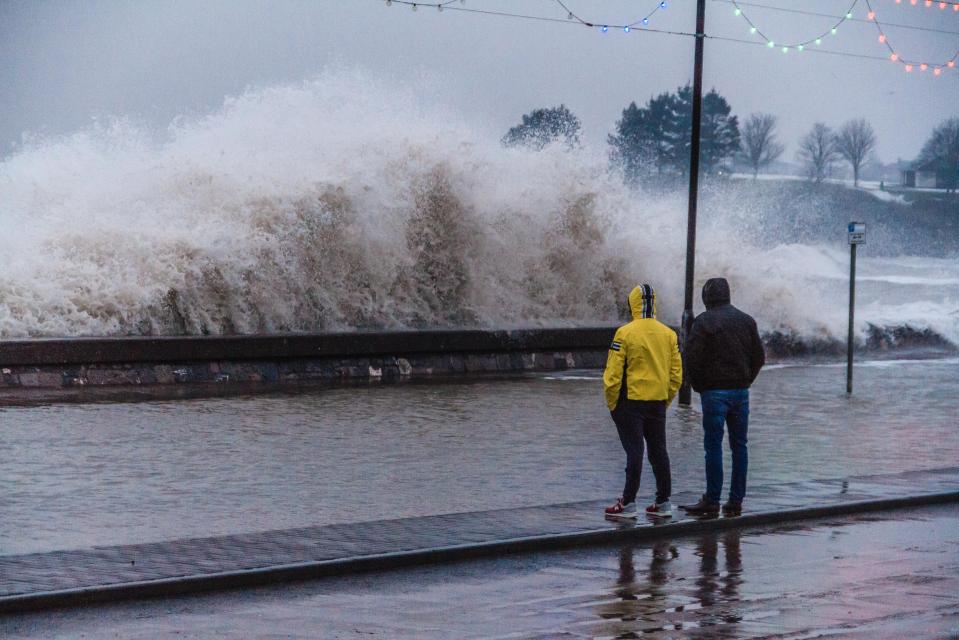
x,y
178,566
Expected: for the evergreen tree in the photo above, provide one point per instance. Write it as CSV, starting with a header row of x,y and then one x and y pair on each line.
x,y
646,137
542,127
659,134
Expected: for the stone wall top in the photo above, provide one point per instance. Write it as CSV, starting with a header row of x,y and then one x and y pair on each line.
x,y
68,351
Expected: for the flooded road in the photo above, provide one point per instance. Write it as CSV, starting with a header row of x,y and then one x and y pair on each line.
x,y
797,581
81,475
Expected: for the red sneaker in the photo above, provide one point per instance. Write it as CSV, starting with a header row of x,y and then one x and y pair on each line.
x,y
621,510
660,509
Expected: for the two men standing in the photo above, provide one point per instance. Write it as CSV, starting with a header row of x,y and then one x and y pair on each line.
x,y
724,354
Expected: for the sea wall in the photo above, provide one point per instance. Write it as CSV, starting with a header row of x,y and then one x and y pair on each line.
x,y
94,368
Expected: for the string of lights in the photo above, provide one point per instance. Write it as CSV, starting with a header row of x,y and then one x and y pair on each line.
x,y
834,16
909,64
539,18
548,19
431,5
942,4
798,46
627,27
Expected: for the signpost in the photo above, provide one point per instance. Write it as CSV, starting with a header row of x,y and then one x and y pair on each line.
x,y
857,236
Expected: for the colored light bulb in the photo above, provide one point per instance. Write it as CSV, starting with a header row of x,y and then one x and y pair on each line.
x,y
605,28
894,57
882,37
937,71
908,68
626,28
770,44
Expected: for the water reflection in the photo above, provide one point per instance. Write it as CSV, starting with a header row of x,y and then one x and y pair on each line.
x,y
654,600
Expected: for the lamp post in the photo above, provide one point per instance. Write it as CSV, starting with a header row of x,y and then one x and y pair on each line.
x,y
685,392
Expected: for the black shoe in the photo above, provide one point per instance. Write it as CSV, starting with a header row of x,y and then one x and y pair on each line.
x,y
702,508
731,509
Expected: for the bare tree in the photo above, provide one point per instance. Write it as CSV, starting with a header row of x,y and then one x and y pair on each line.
x,y
854,142
759,144
817,151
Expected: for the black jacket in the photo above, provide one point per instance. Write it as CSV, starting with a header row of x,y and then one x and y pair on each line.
x,y
723,350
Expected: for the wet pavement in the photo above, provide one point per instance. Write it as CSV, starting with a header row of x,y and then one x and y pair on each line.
x,y
42,579
75,476
892,575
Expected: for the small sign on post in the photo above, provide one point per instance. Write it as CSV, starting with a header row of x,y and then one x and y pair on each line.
x,y
857,233
857,236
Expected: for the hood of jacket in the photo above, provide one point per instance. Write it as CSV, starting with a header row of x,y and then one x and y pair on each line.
x,y
642,302
715,292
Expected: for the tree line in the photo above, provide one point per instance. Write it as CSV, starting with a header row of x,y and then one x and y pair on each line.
x,y
655,139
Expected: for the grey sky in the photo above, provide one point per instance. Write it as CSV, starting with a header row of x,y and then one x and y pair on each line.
x,y
62,63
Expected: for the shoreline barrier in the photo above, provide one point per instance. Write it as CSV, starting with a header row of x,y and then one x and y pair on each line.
x,y
117,368
75,368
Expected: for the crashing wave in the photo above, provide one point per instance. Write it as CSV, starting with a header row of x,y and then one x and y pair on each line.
x,y
343,203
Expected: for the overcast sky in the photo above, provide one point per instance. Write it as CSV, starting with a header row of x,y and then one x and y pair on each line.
x,y
63,63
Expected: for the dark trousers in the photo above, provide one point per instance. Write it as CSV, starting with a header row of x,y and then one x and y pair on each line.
x,y
636,421
729,407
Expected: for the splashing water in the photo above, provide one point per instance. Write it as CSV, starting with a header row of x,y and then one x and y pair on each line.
x,y
344,203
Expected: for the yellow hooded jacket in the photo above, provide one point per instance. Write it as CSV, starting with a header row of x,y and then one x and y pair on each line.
x,y
645,352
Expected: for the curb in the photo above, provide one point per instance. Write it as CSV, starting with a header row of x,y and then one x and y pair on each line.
x,y
280,574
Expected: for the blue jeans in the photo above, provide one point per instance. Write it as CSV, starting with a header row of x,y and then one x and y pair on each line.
x,y
729,406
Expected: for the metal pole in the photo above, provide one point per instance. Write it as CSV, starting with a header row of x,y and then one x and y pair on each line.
x,y
685,392
852,309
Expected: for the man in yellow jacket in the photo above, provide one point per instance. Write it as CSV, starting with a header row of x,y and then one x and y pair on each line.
x,y
643,373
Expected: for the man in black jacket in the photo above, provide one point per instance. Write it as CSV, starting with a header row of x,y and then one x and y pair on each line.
x,y
723,356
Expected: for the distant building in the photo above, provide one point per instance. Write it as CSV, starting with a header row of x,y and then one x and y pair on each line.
x,y
925,175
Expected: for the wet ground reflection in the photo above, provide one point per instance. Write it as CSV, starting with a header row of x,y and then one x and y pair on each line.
x,y
647,602
893,575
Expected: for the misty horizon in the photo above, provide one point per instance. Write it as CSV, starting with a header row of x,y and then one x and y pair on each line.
x,y
67,66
